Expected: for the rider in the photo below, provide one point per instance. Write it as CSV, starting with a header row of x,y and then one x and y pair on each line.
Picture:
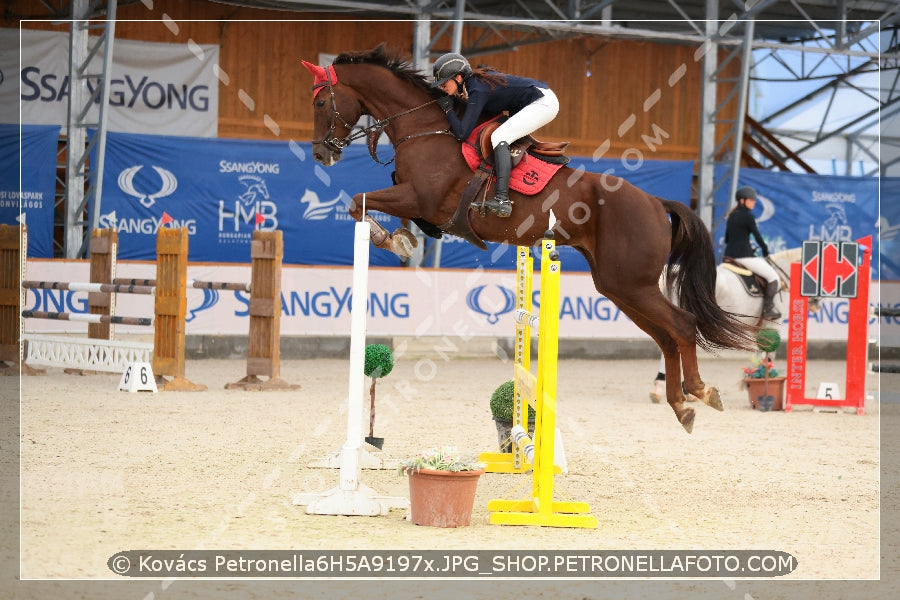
x,y
530,104
738,228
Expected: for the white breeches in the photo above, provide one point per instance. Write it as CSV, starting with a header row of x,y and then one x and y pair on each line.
x,y
535,115
760,266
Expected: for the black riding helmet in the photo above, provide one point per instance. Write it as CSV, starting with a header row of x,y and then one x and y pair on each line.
x,y
449,66
744,192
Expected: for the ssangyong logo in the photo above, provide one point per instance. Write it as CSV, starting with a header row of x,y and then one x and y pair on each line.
x,y
147,196
146,226
484,307
210,299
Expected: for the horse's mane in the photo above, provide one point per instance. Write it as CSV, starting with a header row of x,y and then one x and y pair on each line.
x,y
391,60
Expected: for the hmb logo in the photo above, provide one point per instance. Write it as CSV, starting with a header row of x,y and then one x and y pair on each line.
x,y
252,207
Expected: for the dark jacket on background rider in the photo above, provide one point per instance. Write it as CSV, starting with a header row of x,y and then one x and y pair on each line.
x,y
741,224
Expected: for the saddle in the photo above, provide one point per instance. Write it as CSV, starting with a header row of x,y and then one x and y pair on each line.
x,y
529,178
551,152
753,283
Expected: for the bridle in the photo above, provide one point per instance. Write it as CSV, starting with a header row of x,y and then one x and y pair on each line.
x,y
372,132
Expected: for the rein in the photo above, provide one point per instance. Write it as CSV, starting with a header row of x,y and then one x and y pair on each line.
x,y
782,275
372,132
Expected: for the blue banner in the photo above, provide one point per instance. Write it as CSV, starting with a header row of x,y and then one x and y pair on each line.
x,y
793,207
889,229
221,190
33,193
667,179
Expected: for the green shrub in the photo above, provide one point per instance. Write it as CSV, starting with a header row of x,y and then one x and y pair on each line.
x,y
502,401
379,361
768,340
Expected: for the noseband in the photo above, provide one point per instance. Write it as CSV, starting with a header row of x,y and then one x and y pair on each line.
x,y
373,131
330,141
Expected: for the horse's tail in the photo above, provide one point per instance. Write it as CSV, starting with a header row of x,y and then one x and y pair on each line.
x,y
694,282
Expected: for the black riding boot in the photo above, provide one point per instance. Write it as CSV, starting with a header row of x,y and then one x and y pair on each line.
x,y
769,311
500,204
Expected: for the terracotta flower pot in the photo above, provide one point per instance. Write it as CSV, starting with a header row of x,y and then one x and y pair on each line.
x,y
442,498
766,394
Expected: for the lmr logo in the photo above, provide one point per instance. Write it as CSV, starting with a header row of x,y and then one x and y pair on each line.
x,y
253,207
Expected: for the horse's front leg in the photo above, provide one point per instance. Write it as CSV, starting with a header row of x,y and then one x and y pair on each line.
x,y
393,201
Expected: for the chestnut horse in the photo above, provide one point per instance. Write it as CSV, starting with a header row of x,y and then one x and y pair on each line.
x,y
626,235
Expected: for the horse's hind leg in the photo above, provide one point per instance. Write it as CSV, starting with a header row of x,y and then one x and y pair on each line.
x,y
695,387
690,368
652,302
675,331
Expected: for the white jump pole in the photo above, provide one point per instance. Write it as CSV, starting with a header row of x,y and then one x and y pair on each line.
x,y
351,497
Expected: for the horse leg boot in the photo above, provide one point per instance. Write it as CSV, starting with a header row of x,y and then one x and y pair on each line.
x,y
500,204
402,243
769,311
659,388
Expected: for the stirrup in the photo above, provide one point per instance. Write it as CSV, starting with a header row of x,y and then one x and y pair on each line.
x,y
771,314
496,207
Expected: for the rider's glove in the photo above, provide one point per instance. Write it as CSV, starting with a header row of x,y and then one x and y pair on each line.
x,y
445,102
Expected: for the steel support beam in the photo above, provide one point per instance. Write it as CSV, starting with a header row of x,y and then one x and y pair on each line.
x,y
741,116
706,164
82,97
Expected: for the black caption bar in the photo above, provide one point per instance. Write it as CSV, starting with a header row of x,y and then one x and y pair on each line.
x,y
452,563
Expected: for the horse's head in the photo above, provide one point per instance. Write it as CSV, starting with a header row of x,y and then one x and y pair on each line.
x,y
378,82
335,109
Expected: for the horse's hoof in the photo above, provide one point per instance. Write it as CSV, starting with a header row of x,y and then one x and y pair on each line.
x,y
714,400
403,243
655,398
711,398
408,237
686,419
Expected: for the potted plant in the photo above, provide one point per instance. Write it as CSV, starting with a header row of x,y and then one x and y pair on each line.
x,y
764,385
379,362
441,487
502,404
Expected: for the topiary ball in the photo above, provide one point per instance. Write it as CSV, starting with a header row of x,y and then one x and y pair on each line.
x,y
502,401
379,361
768,340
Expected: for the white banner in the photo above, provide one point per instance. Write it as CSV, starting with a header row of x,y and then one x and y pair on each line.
x,y
402,302
166,89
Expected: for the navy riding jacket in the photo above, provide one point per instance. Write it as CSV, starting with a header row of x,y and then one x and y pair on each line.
x,y
517,93
741,224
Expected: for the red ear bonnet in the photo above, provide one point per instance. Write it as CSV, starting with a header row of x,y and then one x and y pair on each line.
x,y
322,76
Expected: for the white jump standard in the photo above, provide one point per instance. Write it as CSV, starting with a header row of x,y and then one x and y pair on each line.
x,y
351,497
